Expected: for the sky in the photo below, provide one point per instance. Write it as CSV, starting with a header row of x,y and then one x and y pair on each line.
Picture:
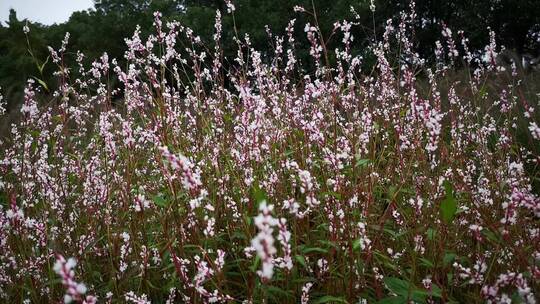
x,y
43,11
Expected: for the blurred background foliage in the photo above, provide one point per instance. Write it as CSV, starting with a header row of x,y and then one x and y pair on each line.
x,y
104,28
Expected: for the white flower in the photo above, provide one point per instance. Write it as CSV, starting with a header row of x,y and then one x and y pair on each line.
x,y
230,6
81,288
67,299
372,6
535,130
263,242
71,262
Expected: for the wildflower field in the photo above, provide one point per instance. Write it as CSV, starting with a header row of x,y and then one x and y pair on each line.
x,y
189,177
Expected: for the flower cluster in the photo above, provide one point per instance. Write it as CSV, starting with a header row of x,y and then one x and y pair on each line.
x,y
74,291
191,173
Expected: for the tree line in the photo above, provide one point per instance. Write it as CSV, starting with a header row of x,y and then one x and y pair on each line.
x,y
103,28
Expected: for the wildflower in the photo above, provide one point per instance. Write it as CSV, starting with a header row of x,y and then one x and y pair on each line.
x,y
372,6
220,260
284,237
535,130
2,104
305,293
323,266
125,250
263,243
365,242
74,291
131,297
141,203
230,6
190,178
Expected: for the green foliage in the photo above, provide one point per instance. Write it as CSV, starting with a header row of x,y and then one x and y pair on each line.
x,y
449,204
397,286
406,291
160,201
329,299
100,30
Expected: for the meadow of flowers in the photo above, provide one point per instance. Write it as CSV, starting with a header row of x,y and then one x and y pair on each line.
x,y
204,179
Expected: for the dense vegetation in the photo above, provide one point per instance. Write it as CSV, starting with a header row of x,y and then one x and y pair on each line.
x,y
103,29
365,168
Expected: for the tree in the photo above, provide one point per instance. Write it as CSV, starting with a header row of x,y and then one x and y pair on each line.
x,y
20,58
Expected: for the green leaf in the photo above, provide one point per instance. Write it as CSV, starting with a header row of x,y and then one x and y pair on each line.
x,y
238,235
517,298
431,233
491,236
288,152
392,191
394,300
314,249
255,264
191,246
388,262
160,201
448,258
42,83
4,201
259,195
153,286
391,232
330,299
41,67
301,260
449,204
397,286
356,244
274,290
421,294
329,244
362,162
435,291
418,296
426,262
